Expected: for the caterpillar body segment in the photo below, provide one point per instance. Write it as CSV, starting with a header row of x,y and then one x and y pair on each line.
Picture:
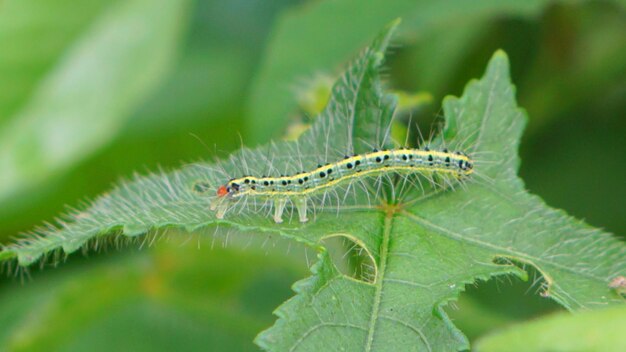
x,y
299,187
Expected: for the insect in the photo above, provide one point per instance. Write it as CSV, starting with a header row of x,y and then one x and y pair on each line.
x,y
298,188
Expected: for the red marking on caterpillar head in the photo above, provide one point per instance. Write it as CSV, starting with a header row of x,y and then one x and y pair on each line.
x,y
222,191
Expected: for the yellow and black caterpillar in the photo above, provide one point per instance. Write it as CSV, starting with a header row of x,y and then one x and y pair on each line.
x,y
298,187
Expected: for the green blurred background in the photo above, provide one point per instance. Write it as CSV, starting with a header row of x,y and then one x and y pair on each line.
x,y
93,90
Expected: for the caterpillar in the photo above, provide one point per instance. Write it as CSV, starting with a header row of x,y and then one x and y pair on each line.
x,y
299,187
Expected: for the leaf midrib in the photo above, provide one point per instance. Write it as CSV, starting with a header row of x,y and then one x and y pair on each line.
x,y
487,112
384,249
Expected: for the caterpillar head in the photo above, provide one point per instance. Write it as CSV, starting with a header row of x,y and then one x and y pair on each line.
x,y
222,191
228,190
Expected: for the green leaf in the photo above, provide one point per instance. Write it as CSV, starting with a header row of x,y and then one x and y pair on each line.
x,y
426,251
424,248
587,331
316,38
80,103
353,116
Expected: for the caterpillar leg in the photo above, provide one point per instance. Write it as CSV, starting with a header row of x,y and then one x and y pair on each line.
x,y
279,207
301,206
221,207
221,210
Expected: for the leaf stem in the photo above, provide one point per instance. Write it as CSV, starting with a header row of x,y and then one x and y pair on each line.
x,y
384,248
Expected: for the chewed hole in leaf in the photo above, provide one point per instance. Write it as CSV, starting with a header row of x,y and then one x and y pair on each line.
x,y
540,283
351,257
498,302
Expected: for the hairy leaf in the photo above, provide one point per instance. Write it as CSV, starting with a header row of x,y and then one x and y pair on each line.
x,y
354,115
425,246
426,250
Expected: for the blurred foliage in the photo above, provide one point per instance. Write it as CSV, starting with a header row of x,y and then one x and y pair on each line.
x,y
49,130
140,301
588,331
302,46
568,59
